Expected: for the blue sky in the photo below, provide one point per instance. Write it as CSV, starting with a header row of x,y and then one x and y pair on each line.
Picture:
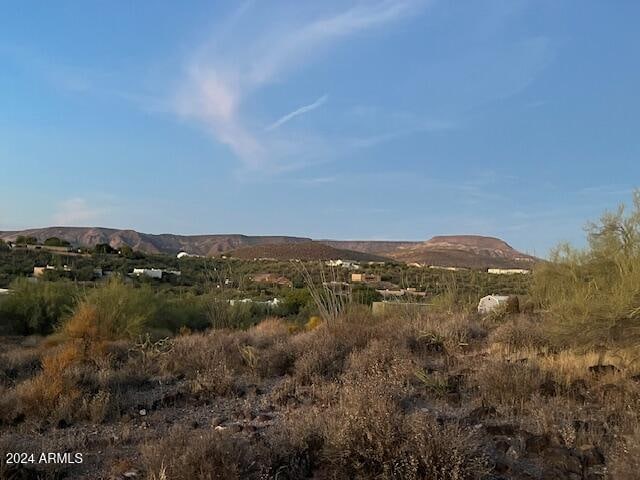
x,y
374,119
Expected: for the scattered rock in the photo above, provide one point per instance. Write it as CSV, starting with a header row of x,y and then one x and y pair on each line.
x,y
263,417
142,412
130,474
249,428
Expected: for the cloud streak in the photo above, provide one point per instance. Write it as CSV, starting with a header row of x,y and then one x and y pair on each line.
x,y
300,111
225,73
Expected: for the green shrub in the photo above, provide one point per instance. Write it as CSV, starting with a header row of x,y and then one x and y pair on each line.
x,y
115,310
594,294
36,307
177,311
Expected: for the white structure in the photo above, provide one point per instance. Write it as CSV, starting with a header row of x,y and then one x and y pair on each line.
x,y
148,272
183,254
342,263
491,302
4,291
508,271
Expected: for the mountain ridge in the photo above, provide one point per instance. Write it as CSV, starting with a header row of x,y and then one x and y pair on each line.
x,y
471,251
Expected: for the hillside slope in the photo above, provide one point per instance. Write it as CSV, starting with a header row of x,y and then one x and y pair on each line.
x,y
471,251
304,251
150,243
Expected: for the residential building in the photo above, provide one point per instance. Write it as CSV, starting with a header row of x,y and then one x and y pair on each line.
x,y
365,278
508,271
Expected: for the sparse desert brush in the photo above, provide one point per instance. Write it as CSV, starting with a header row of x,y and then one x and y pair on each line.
x,y
269,330
508,384
201,455
521,332
319,353
295,445
624,457
51,391
380,358
210,361
368,435
8,406
436,333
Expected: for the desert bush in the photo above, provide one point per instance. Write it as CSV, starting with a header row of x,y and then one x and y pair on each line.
x,y
594,294
295,444
368,435
509,384
519,333
379,359
36,307
624,457
52,392
320,353
222,315
210,361
113,311
174,312
199,455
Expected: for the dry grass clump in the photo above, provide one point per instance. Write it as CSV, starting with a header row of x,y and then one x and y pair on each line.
x,y
210,361
52,391
624,457
380,359
521,332
111,312
198,455
508,384
368,435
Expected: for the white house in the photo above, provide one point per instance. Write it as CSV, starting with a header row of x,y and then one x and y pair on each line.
x,y
491,302
342,263
508,271
148,272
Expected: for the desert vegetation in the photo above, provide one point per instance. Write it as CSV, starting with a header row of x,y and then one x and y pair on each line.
x,y
149,385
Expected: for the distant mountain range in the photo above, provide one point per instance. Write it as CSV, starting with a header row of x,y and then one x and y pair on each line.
x,y
471,251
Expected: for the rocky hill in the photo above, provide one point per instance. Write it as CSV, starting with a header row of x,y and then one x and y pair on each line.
x,y
304,251
471,251
150,243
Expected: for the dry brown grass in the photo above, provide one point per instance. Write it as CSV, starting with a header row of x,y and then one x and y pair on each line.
x,y
348,398
202,456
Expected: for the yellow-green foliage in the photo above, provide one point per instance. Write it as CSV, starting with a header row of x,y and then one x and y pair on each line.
x,y
113,311
35,307
594,293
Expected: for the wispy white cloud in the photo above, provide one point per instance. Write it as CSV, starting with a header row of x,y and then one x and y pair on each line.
x,y
225,72
299,111
77,211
